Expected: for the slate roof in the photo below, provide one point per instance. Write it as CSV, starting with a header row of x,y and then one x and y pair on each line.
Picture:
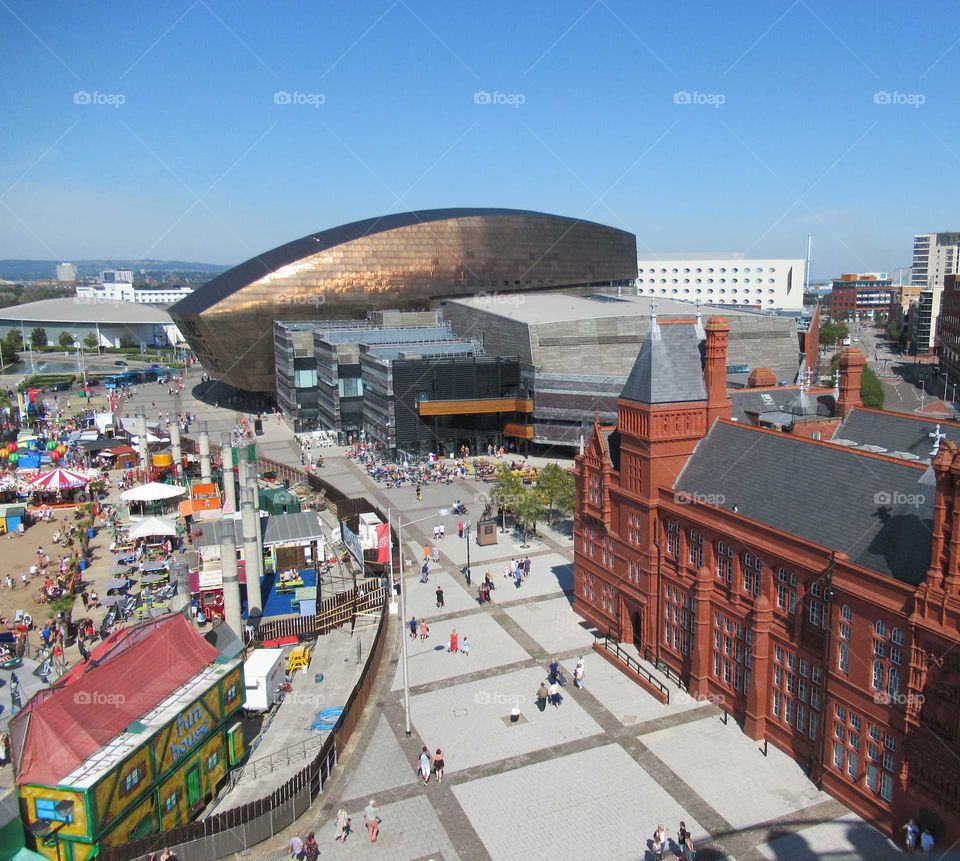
x,y
784,400
668,368
873,510
277,529
894,432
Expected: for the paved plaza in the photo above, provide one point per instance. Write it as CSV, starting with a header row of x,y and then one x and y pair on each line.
x,y
588,780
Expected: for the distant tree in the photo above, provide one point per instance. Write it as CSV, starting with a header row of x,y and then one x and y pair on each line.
x,y
13,341
66,340
528,508
127,342
91,342
831,332
38,337
555,484
894,330
507,488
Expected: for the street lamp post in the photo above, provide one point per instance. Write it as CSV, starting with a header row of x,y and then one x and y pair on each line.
x,y
403,611
466,534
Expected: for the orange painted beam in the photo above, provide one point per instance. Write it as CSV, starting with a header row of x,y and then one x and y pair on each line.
x,y
475,406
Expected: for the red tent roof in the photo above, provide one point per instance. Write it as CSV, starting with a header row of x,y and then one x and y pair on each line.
x,y
125,678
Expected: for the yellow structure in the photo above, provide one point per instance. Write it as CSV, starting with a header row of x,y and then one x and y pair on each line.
x,y
156,774
298,659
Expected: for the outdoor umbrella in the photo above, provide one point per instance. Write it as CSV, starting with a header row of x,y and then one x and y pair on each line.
x,y
153,526
152,492
57,479
115,583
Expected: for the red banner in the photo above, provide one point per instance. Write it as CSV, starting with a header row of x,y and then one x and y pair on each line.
x,y
383,543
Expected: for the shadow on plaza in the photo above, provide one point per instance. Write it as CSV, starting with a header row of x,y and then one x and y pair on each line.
x,y
214,393
787,842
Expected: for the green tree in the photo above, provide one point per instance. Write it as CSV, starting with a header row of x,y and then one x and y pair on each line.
x,y
90,341
127,342
66,340
831,332
554,483
12,342
894,330
507,488
38,338
528,508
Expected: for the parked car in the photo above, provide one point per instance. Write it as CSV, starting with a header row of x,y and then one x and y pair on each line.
x,y
60,387
120,363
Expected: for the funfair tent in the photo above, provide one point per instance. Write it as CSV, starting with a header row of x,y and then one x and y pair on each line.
x,y
57,479
153,526
152,492
51,736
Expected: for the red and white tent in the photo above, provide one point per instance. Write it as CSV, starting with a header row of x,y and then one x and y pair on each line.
x,y
57,479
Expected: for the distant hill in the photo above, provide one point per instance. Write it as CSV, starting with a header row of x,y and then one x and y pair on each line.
x,y
32,270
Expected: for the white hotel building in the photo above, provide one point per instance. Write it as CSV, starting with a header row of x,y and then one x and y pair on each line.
x,y
764,285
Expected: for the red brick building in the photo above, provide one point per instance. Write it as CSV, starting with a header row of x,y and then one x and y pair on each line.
x,y
810,587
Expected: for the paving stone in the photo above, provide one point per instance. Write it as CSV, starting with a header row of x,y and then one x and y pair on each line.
x,y
598,804
723,765
429,661
552,623
466,720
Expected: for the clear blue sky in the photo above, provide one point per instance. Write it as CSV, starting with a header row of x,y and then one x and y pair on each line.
x,y
200,163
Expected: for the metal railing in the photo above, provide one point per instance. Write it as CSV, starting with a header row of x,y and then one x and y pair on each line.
x,y
270,763
612,646
663,667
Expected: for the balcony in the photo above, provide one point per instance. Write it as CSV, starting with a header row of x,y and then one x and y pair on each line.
x,y
474,406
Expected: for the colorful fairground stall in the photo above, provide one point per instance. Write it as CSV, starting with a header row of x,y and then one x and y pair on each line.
x,y
135,741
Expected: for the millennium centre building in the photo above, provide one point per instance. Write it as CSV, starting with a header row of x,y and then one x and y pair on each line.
x,y
405,261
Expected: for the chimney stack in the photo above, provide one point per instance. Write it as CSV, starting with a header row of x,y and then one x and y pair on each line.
x,y
852,362
715,370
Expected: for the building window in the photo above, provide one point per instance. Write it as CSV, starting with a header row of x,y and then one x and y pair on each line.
x,y
752,570
732,644
696,549
212,760
786,590
172,801
724,565
596,491
673,539
46,808
133,778
678,620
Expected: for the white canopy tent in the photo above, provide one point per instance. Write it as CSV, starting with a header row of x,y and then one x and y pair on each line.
x,y
152,492
153,526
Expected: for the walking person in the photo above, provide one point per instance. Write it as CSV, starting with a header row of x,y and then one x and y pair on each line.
x,y
926,841
311,849
555,697
424,630
423,765
554,669
343,825
465,646
439,597
659,842
911,835
526,567
296,847
578,673
438,765
460,528
454,641
543,694
371,814
413,627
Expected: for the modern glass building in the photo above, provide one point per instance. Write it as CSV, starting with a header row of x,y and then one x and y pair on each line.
x,y
403,261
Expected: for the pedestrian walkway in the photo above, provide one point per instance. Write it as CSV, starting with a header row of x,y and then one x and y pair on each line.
x,y
590,779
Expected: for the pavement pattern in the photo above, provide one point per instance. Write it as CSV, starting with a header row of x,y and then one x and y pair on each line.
x,y
590,779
